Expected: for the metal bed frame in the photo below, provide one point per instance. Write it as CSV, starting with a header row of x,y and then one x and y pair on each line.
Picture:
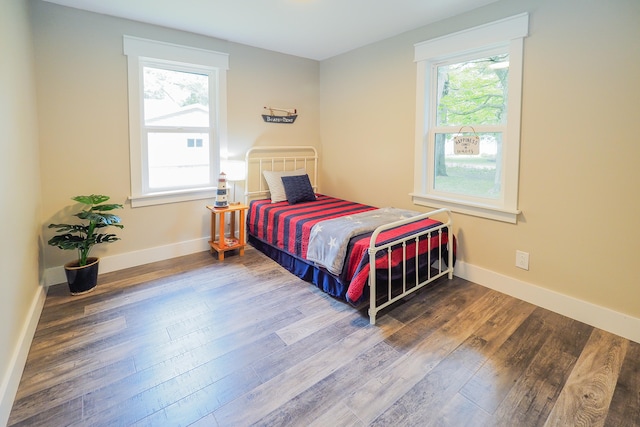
x,y
281,158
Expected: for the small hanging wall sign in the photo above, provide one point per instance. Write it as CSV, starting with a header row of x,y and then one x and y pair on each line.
x,y
469,145
284,115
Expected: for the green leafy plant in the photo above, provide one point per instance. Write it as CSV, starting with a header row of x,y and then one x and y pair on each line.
x,y
82,237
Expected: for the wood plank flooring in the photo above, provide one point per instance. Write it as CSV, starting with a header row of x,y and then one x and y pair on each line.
x,y
194,341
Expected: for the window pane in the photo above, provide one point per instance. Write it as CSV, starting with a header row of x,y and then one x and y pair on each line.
x,y
174,163
175,98
473,92
470,175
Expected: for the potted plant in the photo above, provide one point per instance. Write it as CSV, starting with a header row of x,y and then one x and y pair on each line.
x,y
82,274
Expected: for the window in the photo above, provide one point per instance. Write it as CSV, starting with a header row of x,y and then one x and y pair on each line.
x,y
468,120
177,94
194,142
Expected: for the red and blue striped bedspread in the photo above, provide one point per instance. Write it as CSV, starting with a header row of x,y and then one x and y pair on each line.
x,y
287,228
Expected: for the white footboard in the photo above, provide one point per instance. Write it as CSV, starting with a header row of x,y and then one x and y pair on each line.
x,y
422,278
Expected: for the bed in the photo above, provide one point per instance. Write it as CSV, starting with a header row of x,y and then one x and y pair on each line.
x,y
355,252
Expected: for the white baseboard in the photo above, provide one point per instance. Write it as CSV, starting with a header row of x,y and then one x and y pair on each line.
x,y
55,275
11,374
600,317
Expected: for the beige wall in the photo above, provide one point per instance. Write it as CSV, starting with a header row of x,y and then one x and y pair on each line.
x,y
580,85
82,104
19,195
579,154
579,149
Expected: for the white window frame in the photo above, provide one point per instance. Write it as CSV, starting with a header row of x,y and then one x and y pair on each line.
x,y
507,34
142,52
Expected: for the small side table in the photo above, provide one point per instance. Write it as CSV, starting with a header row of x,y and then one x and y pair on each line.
x,y
227,242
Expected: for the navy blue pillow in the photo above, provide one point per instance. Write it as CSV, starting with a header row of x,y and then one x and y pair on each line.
x,y
298,189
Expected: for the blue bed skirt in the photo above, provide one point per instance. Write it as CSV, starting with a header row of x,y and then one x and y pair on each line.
x,y
306,271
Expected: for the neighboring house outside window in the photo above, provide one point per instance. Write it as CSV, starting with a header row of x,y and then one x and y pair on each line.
x,y
194,142
468,120
176,94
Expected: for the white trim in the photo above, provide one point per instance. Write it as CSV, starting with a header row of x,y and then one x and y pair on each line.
x,y
215,64
484,211
600,317
146,48
493,34
595,315
12,373
511,150
172,197
55,275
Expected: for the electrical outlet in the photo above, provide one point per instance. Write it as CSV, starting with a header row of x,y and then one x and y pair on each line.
x,y
522,260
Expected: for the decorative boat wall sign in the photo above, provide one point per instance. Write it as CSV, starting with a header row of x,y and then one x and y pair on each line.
x,y
283,115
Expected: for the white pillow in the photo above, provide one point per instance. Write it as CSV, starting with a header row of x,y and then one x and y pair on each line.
x,y
274,182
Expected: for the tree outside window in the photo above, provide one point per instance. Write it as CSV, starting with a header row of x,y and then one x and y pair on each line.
x,y
472,95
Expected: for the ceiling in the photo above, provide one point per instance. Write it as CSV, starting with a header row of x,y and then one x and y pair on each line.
x,y
315,29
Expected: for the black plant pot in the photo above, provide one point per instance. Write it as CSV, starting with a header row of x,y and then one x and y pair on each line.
x,y
82,279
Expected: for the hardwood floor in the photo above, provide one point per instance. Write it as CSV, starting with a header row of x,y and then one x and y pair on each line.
x,y
195,341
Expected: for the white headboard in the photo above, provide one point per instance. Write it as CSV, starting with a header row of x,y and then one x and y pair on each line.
x,y
277,158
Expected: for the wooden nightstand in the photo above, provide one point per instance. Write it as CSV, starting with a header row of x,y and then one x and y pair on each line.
x,y
227,242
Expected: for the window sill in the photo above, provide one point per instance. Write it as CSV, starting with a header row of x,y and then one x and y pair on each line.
x,y
483,211
172,197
